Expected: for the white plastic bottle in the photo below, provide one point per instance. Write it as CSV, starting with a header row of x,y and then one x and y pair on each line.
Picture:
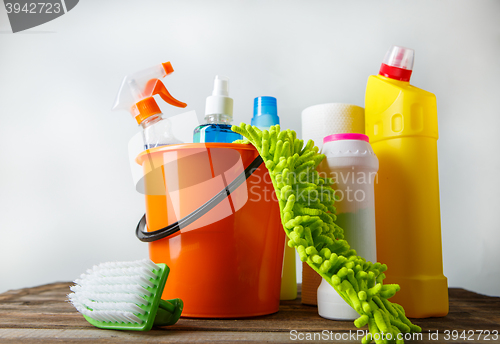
x,y
350,161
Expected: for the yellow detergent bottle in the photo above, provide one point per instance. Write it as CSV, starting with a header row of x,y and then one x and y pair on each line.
x,y
401,122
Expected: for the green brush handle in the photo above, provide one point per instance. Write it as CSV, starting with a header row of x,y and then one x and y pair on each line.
x,y
169,311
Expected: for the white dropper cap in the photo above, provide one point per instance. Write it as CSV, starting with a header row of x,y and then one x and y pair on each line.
x,y
219,103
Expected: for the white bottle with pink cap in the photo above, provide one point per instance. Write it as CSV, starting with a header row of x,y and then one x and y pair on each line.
x,y
350,161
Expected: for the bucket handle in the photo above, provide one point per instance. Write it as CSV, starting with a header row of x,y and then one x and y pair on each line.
x,y
196,214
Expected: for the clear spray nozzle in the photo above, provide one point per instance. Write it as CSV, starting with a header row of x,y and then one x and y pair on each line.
x,y
137,90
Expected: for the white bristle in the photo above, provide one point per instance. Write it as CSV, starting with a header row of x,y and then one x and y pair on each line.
x,y
119,288
111,297
138,263
112,306
115,280
125,272
111,316
114,292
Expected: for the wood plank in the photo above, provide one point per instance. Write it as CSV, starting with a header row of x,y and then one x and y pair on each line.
x,y
156,336
42,314
28,336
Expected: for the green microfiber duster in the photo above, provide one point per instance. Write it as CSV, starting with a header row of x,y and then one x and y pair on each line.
x,y
308,215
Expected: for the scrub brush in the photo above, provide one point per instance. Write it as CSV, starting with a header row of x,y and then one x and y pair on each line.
x,y
125,296
307,212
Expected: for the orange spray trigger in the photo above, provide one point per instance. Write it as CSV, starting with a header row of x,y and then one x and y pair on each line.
x,y
137,90
167,66
162,91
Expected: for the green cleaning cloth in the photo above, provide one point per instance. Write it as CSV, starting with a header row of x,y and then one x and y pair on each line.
x,y
307,210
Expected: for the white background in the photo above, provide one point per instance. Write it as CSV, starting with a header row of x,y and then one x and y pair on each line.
x,y
67,200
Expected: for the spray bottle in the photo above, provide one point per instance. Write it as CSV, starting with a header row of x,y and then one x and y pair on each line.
x,y
218,115
401,121
136,96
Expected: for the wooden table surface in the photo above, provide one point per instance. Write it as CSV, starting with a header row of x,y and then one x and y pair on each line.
x,y
42,315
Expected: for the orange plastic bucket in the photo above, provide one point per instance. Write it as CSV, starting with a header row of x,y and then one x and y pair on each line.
x,y
226,262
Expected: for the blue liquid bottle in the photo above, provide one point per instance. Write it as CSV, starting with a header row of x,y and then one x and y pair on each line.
x,y
218,115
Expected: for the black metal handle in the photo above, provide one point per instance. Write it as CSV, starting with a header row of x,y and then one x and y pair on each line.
x,y
196,214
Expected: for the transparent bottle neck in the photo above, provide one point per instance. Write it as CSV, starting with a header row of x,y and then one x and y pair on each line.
x,y
218,119
150,121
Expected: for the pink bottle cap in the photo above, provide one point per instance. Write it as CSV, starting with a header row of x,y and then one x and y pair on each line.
x,y
346,136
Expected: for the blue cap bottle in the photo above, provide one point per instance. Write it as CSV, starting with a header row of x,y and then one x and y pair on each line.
x,y
265,112
265,115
